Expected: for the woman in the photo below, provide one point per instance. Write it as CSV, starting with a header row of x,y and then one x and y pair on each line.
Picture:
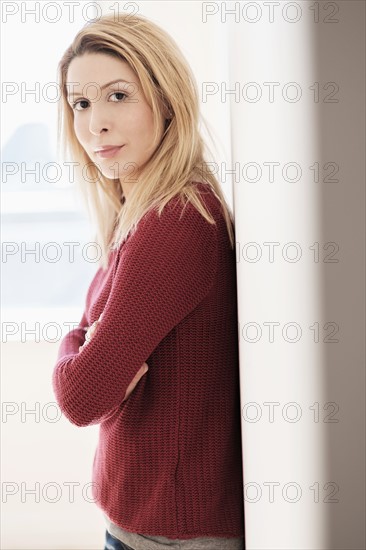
x,y
154,359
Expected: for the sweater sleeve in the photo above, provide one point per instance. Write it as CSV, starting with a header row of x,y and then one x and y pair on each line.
x,y
164,271
74,339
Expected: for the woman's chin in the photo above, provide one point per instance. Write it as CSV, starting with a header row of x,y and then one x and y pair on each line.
x,y
128,176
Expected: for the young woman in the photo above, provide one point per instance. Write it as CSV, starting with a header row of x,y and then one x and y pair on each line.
x,y
154,359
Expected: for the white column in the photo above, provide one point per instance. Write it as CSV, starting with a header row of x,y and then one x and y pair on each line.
x,y
298,131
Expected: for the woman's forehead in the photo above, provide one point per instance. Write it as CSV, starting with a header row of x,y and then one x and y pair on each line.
x,y
99,68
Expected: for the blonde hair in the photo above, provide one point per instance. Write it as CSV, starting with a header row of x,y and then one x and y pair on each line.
x,y
169,86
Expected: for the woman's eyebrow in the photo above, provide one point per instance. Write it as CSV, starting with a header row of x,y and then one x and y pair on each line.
x,y
102,87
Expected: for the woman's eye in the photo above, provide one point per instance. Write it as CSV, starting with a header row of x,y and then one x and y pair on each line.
x,y
85,101
119,93
77,103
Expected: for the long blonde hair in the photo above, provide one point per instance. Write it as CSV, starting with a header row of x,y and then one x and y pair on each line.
x,y
167,82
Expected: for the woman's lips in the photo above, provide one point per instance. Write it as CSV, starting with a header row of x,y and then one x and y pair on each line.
x,y
109,153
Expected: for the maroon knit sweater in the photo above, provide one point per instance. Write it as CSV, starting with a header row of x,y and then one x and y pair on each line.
x,y
169,458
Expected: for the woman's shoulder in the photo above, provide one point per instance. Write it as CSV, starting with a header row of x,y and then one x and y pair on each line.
x,y
206,195
180,221
179,206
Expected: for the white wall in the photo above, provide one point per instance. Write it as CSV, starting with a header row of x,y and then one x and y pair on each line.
x,y
317,366
46,461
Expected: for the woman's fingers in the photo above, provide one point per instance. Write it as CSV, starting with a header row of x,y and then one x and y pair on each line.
x,y
91,330
140,373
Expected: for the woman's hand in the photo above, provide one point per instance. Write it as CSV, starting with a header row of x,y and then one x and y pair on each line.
x,y
89,333
140,373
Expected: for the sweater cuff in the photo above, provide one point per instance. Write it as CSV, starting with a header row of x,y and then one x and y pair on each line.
x,y
71,342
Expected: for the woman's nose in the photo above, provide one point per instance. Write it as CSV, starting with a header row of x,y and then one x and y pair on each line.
x,y
98,121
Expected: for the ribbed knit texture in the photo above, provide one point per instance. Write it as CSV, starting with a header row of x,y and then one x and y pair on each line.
x,y
169,460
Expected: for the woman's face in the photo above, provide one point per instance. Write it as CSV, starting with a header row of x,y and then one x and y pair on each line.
x,y
108,114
